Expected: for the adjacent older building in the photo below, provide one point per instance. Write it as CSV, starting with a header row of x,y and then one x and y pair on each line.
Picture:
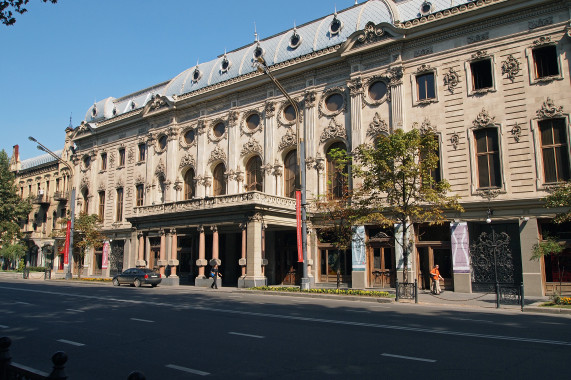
x,y
203,167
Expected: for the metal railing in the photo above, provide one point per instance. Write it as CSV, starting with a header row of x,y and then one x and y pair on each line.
x,y
15,371
406,290
506,293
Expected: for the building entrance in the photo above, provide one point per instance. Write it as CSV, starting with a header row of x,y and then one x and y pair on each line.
x,y
288,270
427,258
381,264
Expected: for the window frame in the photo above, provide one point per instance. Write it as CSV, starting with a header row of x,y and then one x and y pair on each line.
x,y
258,185
188,186
333,191
532,72
119,204
478,57
421,71
475,184
290,183
101,209
139,195
121,162
220,179
142,150
103,161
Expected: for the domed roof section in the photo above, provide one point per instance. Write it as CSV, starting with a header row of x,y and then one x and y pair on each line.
x,y
411,9
39,160
102,109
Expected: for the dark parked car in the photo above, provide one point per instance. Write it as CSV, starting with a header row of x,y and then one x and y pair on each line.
x,y
138,276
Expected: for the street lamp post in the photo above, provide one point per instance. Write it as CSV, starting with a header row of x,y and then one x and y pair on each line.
x,y
40,146
301,165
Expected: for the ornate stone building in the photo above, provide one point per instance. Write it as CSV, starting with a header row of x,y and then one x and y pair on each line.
x,y
202,167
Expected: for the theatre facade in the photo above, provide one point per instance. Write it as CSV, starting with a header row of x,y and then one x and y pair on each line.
x,y
201,169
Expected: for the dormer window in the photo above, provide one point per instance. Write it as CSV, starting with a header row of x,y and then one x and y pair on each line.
x,y
196,75
94,111
425,8
133,105
294,40
225,65
258,52
335,26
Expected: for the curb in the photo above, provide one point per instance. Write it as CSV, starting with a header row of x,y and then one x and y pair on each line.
x,y
547,310
317,295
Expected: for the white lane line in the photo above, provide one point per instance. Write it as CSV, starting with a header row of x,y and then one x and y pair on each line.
x,y
409,358
552,323
71,342
248,335
305,319
470,319
3,327
189,370
75,310
358,311
22,303
142,320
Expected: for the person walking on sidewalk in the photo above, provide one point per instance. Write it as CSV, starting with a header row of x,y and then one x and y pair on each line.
x,y
436,277
215,274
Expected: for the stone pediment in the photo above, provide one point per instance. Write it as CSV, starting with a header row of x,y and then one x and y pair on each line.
x,y
372,36
83,129
157,104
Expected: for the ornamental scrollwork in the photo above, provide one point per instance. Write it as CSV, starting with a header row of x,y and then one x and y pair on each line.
x,y
424,68
333,130
483,119
322,109
371,33
426,127
270,109
84,184
542,41
139,180
157,102
516,132
378,127
510,67
101,186
395,75
480,54
217,155
455,140
355,87
112,160
451,79
289,139
309,99
252,146
549,110
278,169
187,160
131,155
119,183
160,170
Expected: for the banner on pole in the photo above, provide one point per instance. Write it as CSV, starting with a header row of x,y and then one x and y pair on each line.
x,y
105,255
298,226
66,247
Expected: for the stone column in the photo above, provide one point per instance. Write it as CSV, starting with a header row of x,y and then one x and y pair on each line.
x,y
312,178
242,261
173,260
141,260
163,254
201,280
356,92
397,115
269,179
201,158
233,186
254,275
532,275
215,252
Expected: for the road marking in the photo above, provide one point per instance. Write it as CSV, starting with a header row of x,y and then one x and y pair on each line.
x,y
142,320
77,311
358,311
552,323
189,370
409,358
470,319
305,319
248,335
3,327
71,342
22,303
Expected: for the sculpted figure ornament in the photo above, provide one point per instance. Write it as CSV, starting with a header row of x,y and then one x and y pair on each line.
x,y
378,127
483,119
332,131
549,110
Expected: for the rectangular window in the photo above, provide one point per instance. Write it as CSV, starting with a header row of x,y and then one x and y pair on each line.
x,y
488,158
554,150
22,192
142,149
545,59
57,184
140,192
103,161
122,157
481,74
435,172
425,86
101,205
119,204
47,187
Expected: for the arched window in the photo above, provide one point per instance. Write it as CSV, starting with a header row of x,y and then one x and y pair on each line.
x,y
162,190
219,180
189,184
336,176
85,194
291,171
255,179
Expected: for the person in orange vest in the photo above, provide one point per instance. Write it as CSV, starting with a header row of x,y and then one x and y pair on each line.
x,y
436,277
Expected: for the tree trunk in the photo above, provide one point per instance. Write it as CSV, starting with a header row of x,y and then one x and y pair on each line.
x,y
337,262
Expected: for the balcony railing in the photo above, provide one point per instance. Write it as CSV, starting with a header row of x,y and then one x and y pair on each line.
x,y
41,199
209,203
61,196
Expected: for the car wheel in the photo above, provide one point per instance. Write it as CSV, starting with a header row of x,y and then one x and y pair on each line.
x,y
137,282
116,282
154,285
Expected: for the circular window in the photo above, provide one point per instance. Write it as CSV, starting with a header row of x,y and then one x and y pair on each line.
x,y
162,142
219,129
334,102
335,26
258,52
294,41
377,90
289,113
189,136
425,8
253,121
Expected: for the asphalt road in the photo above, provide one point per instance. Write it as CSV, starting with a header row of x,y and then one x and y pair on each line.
x,y
183,333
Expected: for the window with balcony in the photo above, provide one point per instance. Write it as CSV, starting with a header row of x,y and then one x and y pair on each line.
x,y
291,170
254,175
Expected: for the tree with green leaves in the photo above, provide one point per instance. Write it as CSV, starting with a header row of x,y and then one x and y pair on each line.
x,y
9,9
399,184
11,254
560,197
549,246
12,208
87,235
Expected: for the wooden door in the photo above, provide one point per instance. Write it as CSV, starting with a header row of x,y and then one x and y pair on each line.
x,y
381,266
427,257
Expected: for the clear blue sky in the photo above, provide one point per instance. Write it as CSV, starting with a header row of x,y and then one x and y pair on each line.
x,y
58,59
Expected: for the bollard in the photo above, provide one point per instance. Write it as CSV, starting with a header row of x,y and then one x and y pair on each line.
x,y
136,375
397,290
497,295
522,299
58,373
415,290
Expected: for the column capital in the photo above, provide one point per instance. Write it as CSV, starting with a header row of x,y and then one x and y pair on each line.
x,y
200,229
214,228
173,231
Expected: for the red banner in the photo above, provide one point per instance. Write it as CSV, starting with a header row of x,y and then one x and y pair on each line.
x,y
298,226
66,248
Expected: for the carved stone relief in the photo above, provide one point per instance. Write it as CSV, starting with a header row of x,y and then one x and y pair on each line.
x,y
378,127
510,67
549,110
451,79
333,130
252,146
289,139
217,155
483,120
160,170
187,160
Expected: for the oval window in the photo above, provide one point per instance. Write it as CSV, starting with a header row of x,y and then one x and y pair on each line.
x,y
335,26
196,75
189,136
253,121
377,90
219,130
162,142
289,113
258,52
294,41
334,102
225,65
